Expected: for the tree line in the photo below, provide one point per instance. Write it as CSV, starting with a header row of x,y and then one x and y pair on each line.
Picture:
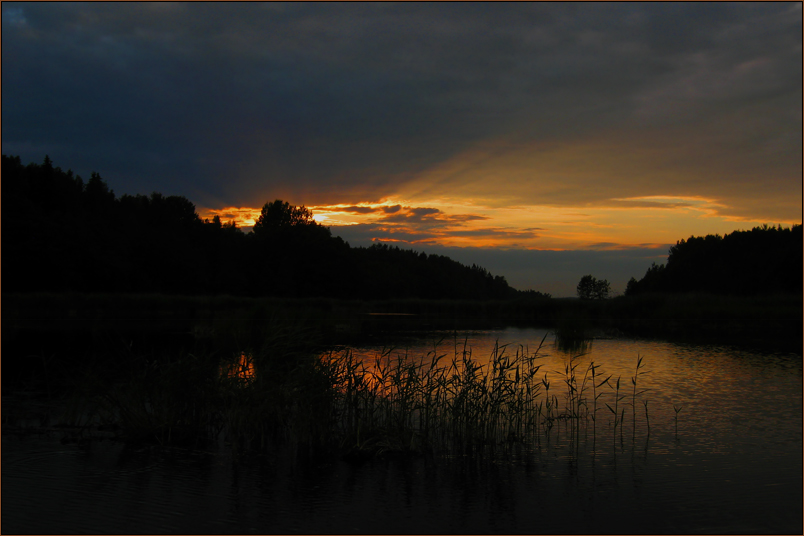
x,y
62,234
764,260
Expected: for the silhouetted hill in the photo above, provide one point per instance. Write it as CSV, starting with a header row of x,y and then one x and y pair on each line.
x,y
762,260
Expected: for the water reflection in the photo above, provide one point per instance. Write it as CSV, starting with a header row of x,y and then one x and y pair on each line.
x,y
157,490
723,390
241,369
734,466
573,346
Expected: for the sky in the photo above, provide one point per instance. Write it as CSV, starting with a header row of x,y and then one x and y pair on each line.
x,y
542,141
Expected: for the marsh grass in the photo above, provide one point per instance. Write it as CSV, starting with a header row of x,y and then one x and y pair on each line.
x,y
573,332
446,402
458,405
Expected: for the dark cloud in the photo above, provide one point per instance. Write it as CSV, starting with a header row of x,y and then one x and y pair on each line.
x,y
231,103
460,218
604,246
582,105
364,234
432,223
412,215
424,212
357,210
660,203
413,230
409,216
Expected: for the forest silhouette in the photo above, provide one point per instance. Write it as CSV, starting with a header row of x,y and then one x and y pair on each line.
x,y
764,260
61,234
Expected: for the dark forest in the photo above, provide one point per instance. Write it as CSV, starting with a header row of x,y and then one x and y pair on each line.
x,y
62,234
764,260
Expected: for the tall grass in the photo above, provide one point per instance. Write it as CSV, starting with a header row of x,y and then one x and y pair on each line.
x,y
462,406
444,402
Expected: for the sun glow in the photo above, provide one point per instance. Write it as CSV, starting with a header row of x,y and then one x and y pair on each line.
x,y
618,223
354,214
243,217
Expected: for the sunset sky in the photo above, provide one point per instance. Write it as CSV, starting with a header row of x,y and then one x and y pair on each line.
x,y
541,141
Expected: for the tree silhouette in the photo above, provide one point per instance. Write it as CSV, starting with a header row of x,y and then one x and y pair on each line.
x,y
287,252
281,215
764,259
590,288
83,238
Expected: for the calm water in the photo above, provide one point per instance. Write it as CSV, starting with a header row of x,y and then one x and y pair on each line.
x,y
735,465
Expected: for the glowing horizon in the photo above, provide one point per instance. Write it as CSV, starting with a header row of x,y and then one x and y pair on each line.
x,y
643,221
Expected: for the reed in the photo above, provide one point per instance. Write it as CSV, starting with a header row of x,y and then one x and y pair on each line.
x,y
640,364
647,417
596,396
618,416
465,407
359,407
677,410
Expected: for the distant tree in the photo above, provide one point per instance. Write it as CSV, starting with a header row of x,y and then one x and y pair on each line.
x,y
97,190
654,280
630,288
47,164
530,293
282,215
590,288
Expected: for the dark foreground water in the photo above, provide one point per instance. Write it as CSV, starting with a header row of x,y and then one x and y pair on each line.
x,y
735,466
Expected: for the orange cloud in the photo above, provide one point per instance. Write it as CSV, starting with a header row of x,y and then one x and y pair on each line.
x,y
620,223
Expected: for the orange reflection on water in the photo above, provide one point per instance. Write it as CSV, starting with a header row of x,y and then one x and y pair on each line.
x,y
242,369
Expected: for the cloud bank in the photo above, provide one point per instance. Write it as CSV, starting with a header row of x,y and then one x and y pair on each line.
x,y
549,126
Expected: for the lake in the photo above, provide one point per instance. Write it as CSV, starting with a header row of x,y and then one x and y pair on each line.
x,y
722,454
